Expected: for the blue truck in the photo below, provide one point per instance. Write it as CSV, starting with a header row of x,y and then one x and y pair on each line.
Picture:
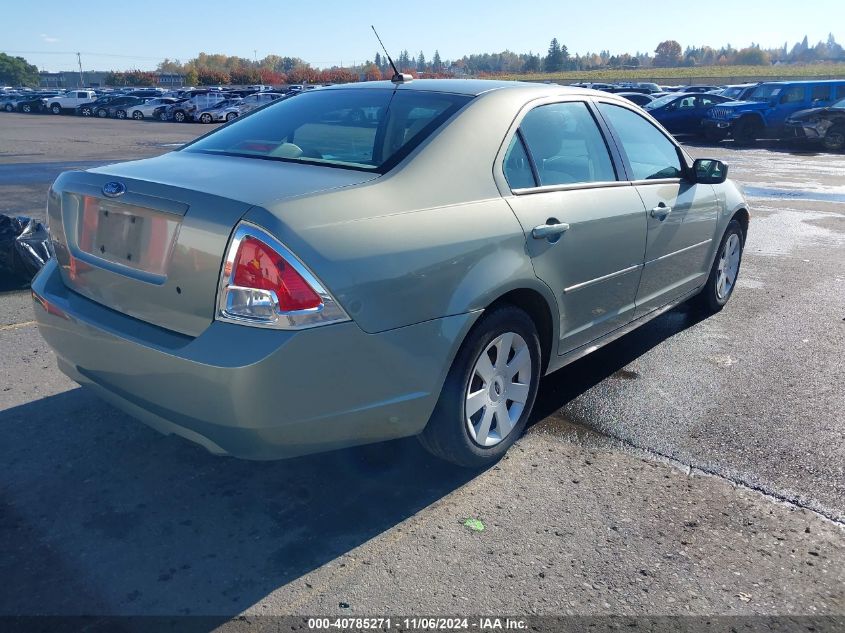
x,y
764,112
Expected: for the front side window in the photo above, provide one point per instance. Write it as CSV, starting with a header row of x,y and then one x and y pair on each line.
x,y
566,145
358,128
651,155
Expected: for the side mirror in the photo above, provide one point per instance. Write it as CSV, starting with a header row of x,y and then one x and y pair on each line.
x,y
709,171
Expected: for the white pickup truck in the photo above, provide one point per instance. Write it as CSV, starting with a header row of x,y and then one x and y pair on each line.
x,y
70,100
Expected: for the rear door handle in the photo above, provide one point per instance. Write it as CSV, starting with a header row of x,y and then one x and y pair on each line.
x,y
546,231
661,211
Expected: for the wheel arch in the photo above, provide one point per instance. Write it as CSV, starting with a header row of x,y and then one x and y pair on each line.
x,y
742,216
537,306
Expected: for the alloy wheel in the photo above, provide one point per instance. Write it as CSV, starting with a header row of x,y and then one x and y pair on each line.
x,y
498,389
728,267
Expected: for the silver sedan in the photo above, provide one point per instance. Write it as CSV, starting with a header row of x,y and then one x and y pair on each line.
x,y
380,260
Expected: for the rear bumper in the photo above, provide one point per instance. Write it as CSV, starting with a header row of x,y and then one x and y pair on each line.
x,y
251,392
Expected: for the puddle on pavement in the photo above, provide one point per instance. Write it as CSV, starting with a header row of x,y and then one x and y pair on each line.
x,y
792,194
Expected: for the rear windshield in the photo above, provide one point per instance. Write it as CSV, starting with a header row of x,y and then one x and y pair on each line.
x,y
368,129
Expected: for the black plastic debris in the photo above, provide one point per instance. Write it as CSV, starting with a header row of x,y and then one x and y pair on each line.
x,y
24,249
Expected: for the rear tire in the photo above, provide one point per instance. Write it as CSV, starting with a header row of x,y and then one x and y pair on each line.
x,y
231,116
26,108
86,112
834,140
56,108
120,114
137,115
102,113
179,116
205,118
725,271
473,422
747,131
9,107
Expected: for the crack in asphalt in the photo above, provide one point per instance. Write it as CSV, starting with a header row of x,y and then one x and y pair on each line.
x,y
689,469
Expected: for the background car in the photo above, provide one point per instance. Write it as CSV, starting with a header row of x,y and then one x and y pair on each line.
x,y
224,111
165,112
821,124
118,107
148,108
683,113
257,100
765,111
89,108
640,98
9,101
32,104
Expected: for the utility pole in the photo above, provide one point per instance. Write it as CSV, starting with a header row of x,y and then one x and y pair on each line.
x,y
81,76
255,54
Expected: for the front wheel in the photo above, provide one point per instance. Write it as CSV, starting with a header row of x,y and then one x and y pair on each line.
x,y
747,131
9,107
85,111
834,140
205,118
102,113
56,108
179,116
725,270
489,391
121,114
27,108
231,116
137,115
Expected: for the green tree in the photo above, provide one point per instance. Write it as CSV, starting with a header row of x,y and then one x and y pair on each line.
x,y
16,71
554,58
421,63
667,54
436,62
191,78
752,56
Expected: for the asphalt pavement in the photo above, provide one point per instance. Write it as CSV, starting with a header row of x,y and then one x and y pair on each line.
x,y
694,467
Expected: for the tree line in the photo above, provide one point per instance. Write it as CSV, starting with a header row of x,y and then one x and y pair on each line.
x,y
218,69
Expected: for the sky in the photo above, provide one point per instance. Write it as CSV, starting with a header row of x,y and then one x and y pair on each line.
x,y
125,35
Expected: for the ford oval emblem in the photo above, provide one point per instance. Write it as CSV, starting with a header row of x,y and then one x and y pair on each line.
x,y
114,189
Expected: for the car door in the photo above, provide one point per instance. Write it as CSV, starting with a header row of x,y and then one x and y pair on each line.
x,y
681,215
790,100
585,225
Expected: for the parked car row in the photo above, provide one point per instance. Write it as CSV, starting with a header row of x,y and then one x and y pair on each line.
x,y
805,110
146,102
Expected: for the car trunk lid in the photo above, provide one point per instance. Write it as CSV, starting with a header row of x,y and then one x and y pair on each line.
x,y
148,239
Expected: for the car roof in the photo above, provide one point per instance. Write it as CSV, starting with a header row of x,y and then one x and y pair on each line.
x,y
471,87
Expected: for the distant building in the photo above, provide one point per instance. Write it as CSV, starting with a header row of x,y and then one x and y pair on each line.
x,y
71,80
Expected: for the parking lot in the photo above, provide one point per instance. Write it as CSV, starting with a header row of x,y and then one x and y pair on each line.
x,y
693,467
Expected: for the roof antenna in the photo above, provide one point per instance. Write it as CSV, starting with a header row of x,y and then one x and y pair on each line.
x,y
398,78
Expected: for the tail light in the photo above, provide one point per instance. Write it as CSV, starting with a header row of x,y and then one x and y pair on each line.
x,y
263,284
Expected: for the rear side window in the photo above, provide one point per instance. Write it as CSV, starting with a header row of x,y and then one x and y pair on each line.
x,y
517,166
651,155
566,145
822,92
358,128
793,94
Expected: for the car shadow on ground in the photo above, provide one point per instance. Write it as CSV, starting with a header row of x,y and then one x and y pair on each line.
x,y
101,515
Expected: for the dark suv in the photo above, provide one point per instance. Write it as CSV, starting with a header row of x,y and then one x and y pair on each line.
x,y
825,125
764,113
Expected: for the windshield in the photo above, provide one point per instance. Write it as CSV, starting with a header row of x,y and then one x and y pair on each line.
x,y
367,129
765,92
662,101
839,105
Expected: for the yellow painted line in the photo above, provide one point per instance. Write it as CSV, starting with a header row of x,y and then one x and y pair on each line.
x,y
16,326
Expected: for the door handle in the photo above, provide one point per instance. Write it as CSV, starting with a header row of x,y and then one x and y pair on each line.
x,y
661,211
546,231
